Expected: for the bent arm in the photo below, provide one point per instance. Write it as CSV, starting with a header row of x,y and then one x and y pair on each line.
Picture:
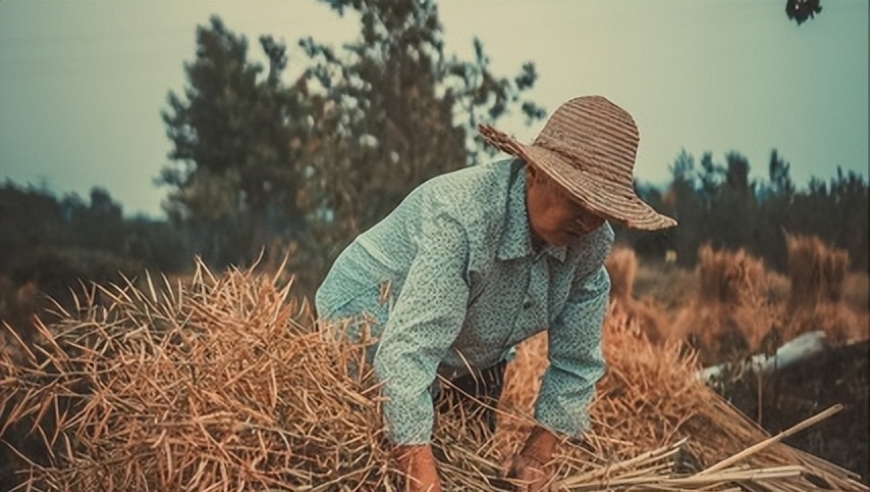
x,y
422,325
576,358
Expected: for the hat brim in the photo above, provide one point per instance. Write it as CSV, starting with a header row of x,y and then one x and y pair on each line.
x,y
608,198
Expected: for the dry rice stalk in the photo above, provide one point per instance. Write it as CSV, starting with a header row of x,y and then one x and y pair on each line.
x,y
223,384
729,278
622,267
651,319
817,274
816,271
651,399
729,316
219,386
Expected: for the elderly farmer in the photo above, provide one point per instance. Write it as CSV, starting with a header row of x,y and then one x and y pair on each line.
x,y
473,262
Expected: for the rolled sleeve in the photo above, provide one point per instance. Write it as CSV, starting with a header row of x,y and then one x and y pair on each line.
x,y
424,322
576,358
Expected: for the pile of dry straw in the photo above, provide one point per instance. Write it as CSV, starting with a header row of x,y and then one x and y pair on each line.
x,y
817,273
222,384
729,315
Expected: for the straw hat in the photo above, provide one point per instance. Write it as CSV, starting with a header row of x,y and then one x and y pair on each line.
x,y
588,146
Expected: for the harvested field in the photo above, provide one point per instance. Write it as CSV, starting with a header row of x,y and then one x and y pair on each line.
x,y
729,315
825,301
816,301
840,374
222,384
644,315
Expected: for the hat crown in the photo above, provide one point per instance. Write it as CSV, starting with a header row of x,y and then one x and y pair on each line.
x,y
595,135
588,146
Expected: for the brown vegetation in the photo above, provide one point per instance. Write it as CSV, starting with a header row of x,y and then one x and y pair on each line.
x,y
729,315
816,270
18,306
223,383
220,385
650,320
649,399
818,273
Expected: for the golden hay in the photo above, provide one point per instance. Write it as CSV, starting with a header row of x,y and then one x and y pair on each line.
x,y
839,323
856,292
729,278
729,315
222,384
816,271
818,274
219,386
622,267
651,319
651,398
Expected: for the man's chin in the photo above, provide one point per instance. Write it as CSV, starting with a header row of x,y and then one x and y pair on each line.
x,y
557,239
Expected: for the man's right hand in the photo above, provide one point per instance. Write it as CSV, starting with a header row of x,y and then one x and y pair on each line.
x,y
418,464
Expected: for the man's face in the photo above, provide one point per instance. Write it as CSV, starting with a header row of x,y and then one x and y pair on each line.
x,y
554,217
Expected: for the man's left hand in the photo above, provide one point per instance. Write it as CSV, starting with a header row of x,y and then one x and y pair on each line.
x,y
526,474
528,469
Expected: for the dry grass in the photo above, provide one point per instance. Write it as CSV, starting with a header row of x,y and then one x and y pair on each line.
x,y
729,315
856,292
650,319
816,270
622,267
651,400
223,384
816,301
219,386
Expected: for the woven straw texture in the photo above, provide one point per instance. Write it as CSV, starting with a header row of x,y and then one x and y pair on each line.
x,y
589,146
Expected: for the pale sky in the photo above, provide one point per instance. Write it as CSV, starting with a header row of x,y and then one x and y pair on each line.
x,y
82,83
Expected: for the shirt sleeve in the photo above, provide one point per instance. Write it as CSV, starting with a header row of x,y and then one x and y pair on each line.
x,y
422,325
576,358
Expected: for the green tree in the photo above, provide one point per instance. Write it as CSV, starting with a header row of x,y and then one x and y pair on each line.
x,y
393,111
686,208
734,212
777,201
319,160
233,131
29,219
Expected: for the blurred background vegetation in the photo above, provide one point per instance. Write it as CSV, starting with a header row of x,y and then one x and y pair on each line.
x,y
260,166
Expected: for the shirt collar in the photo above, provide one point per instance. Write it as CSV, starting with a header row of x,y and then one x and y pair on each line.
x,y
557,252
516,240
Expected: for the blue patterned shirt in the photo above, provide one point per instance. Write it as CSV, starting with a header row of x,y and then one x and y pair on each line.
x,y
451,279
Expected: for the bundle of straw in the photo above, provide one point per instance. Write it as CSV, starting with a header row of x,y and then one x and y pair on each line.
x,y
621,265
817,273
650,404
729,315
651,320
224,384
221,385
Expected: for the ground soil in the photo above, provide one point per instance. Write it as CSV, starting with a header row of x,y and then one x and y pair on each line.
x,y
838,375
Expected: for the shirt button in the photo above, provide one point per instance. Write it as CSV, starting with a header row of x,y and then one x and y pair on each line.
x,y
527,304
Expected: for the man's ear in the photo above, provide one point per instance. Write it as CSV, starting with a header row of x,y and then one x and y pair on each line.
x,y
531,172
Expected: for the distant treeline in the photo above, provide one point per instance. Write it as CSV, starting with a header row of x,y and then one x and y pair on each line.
x,y
54,241
304,165
717,204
